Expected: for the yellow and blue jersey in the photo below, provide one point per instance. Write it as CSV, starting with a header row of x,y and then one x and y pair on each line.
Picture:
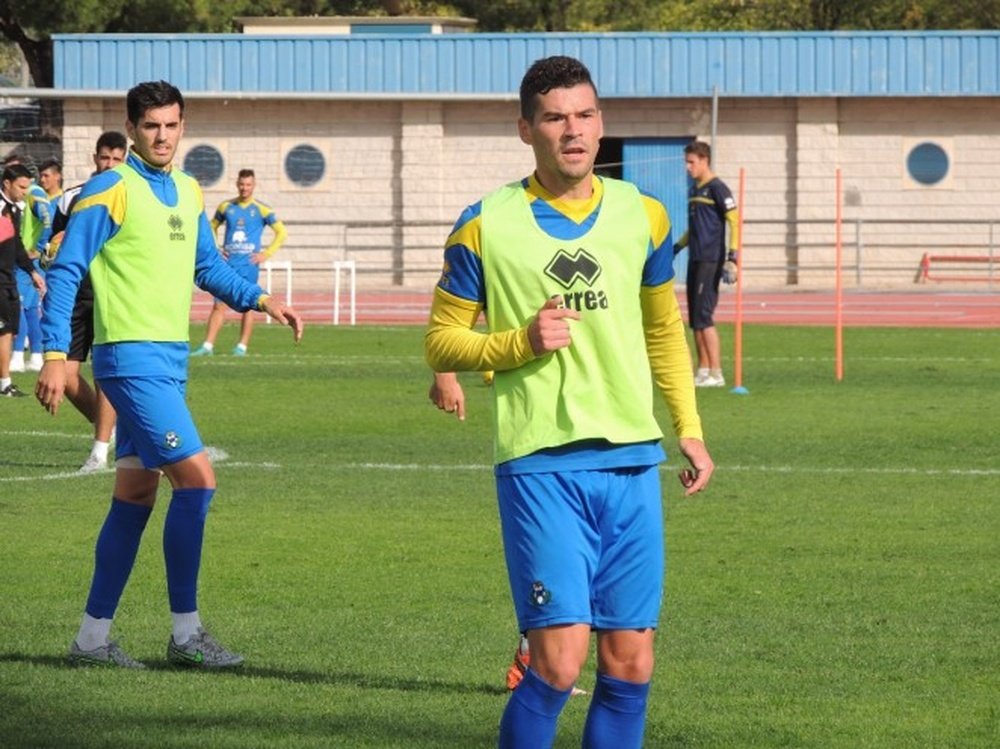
x,y
461,295
97,217
245,224
561,219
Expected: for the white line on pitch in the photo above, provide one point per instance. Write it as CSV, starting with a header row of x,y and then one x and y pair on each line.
x,y
43,433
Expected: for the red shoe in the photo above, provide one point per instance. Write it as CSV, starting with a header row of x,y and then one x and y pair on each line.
x,y
521,659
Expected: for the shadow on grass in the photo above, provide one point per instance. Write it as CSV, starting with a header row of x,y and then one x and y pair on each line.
x,y
298,676
57,724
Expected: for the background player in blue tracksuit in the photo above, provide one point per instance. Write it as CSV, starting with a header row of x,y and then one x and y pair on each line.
x,y
245,218
36,226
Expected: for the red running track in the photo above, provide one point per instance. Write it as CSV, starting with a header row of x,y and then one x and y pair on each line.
x,y
882,309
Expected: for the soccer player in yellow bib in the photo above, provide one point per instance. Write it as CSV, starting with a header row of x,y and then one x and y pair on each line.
x,y
575,275
141,231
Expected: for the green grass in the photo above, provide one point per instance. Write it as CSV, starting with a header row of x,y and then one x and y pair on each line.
x,y
837,586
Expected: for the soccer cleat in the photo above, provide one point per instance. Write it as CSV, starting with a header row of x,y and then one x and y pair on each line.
x,y
12,391
202,651
522,657
106,655
202,351
710,381
35,363
93,464
239,351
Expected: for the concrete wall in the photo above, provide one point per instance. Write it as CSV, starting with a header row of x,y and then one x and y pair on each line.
x,y
399,174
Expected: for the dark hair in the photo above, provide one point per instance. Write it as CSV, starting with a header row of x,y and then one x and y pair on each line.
x,y
14,172
151,95
244,173
549,73
50,164
112,140
699,148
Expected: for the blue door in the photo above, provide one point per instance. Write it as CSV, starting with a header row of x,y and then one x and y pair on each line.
x,y
656,166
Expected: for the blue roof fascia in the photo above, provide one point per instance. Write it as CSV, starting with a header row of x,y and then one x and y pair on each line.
x,y
748,64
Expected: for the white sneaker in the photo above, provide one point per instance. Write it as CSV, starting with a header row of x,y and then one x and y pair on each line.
x,y
17,361
35,363
710,381
94,464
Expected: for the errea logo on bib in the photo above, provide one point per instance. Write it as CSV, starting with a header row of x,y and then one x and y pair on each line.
x,y
176,224
567,269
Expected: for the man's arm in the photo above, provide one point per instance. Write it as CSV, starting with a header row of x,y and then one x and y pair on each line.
x,y
280,235
213,275
670,361
96,217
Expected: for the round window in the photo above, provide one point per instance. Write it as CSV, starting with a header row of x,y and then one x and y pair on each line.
x,y
305,165
205,164
927,163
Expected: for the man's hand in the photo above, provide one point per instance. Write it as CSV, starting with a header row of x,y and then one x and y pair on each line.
x,y
446,393
730,269
258,257
38,281
284,315
51,385
695,478
549,331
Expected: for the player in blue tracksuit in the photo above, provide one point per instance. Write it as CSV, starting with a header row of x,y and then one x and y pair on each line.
x,y
36,226
245,219
142,231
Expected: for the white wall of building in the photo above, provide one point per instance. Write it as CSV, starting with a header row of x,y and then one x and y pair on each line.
x,y
409,168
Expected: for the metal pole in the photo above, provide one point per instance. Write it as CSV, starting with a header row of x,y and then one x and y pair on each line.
x,y
715,120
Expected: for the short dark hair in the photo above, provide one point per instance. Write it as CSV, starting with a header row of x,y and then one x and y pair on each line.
x,y
112,140
548,73
699,148
16,171
151,95
50,164
244,173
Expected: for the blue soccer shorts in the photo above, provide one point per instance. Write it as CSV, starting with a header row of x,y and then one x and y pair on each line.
x,y
154,426
584,547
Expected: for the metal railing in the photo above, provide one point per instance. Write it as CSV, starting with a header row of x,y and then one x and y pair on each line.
x,y
777,253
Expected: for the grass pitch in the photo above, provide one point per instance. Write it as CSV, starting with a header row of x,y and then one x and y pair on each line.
x,y
836,587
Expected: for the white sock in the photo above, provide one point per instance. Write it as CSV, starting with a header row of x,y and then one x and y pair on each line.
x,y
186,626
716,373
208,346
93,633
100,450
4,383
35,360
241,346
701,372
17,359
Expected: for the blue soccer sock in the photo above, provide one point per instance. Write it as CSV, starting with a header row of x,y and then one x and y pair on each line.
x,y
183,531
114,556
532,713
617,715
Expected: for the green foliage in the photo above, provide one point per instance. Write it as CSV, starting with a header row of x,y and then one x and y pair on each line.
x,y
835,587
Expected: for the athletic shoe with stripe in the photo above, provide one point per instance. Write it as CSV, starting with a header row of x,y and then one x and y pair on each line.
x,y
202,651
106,655
12,391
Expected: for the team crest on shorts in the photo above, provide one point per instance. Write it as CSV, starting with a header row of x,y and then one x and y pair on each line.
x,y
540,595
172,440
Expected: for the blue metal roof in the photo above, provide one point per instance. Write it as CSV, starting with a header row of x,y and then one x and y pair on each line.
x,y
944,63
